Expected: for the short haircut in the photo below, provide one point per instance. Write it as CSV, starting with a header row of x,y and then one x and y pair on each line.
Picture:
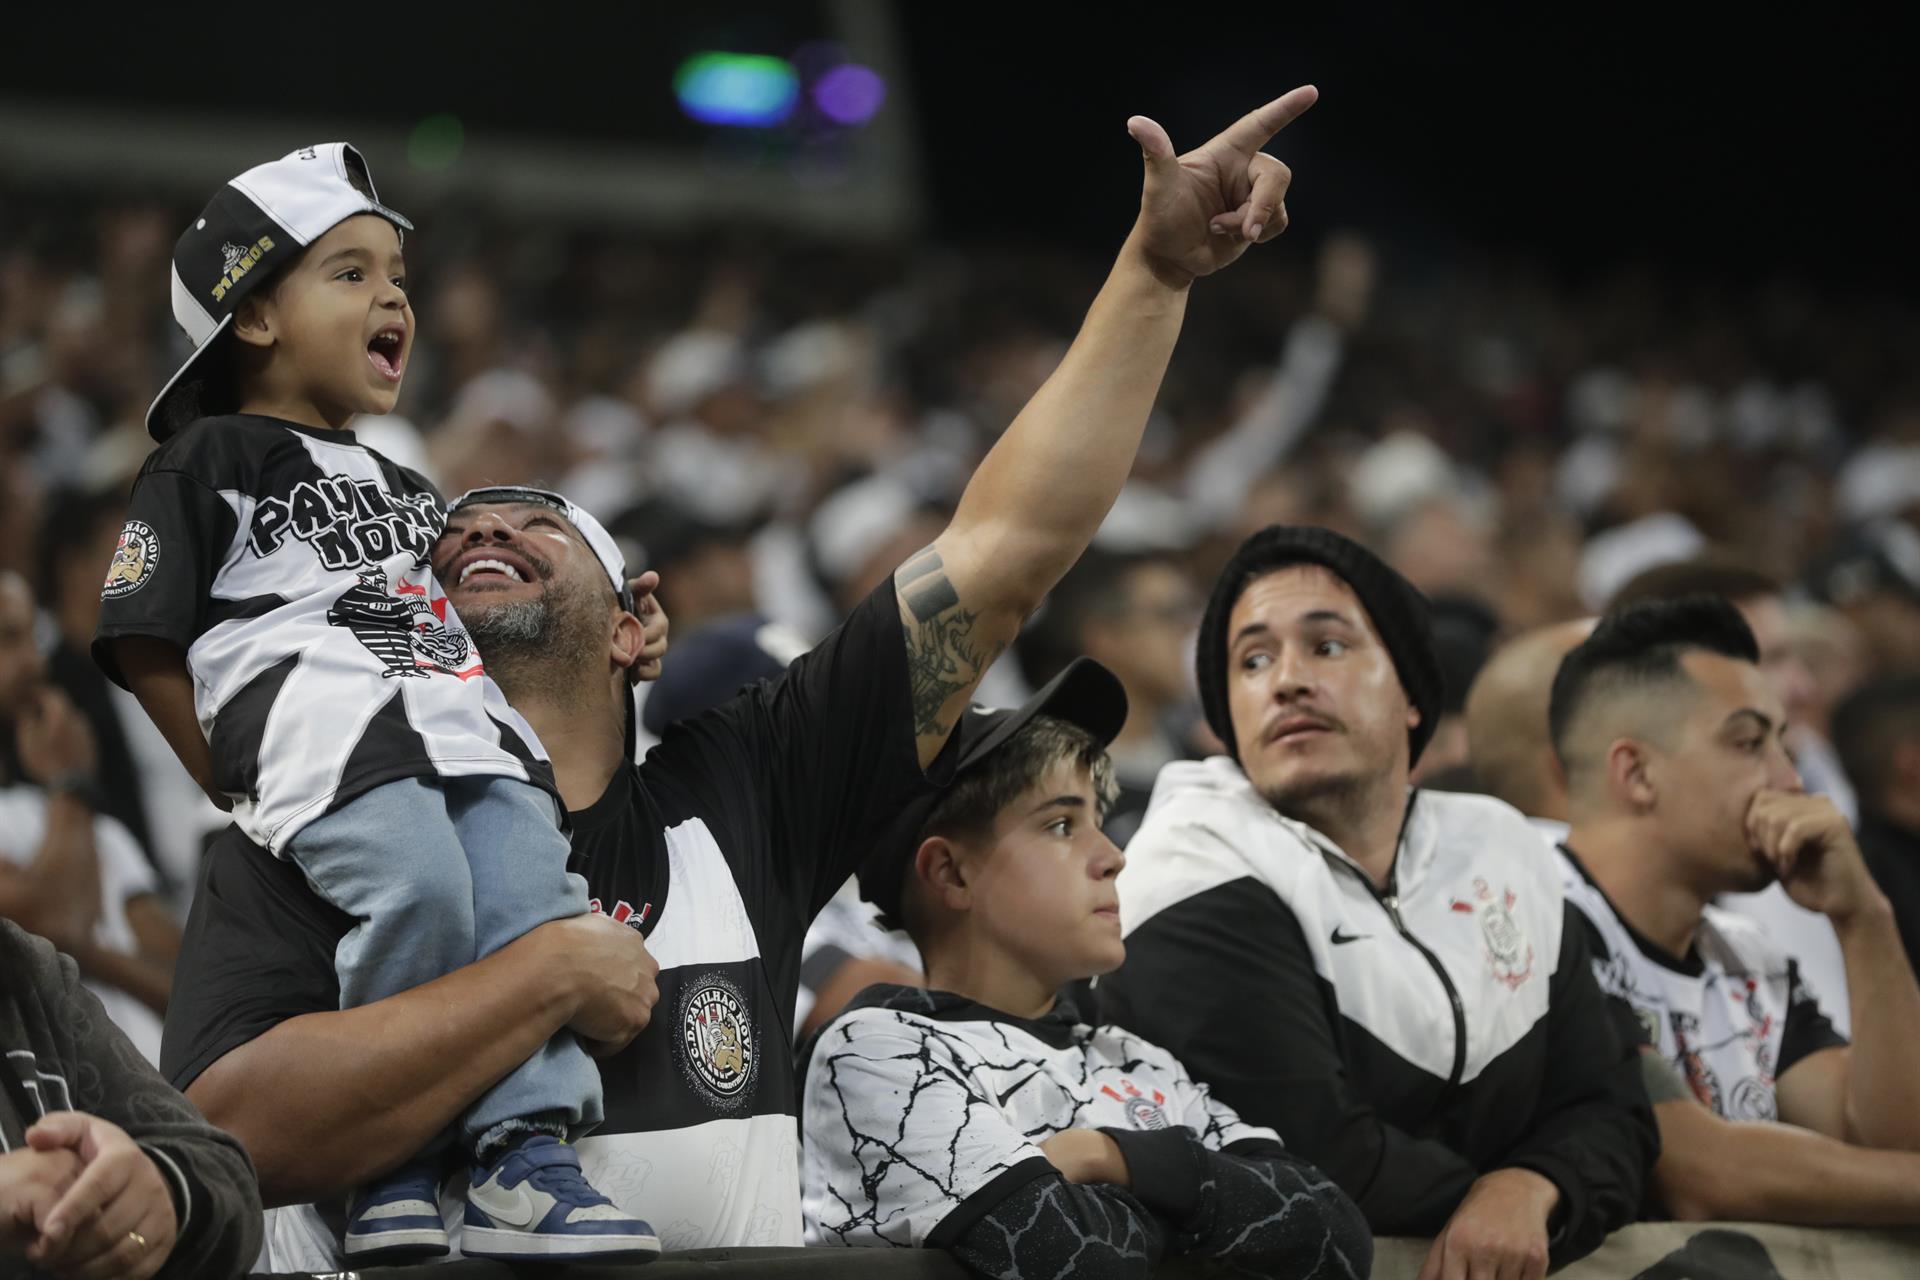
x,y
966,810
969,805
1709,575
1094,587
1869,725
1638,648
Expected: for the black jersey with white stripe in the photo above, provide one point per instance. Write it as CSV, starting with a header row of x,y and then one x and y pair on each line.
x,y
720,847
290,565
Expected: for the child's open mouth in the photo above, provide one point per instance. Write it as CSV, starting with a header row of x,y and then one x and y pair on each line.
x,y
384,352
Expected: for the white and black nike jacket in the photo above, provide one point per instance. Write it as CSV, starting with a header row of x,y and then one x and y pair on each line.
x,y
1405,1041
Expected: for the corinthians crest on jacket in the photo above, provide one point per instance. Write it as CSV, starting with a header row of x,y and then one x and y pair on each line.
x,y
1509,954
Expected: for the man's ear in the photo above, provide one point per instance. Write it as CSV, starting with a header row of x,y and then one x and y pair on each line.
x,y
1413,716
253,322
936,864
629,637
1630,775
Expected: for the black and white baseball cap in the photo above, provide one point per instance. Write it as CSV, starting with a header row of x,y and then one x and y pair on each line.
x,y
256,224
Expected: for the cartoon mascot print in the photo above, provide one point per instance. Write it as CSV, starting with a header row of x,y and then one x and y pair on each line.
x,y
400,629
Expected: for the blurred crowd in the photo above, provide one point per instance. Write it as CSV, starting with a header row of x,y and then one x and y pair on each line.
x,y
774,425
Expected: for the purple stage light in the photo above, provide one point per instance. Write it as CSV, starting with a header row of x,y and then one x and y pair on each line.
x,y
850,93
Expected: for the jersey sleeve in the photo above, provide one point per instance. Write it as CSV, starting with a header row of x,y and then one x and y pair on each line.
x,y
1048,1226
1808,1028
1258,1210
817,766
177,534
899,1140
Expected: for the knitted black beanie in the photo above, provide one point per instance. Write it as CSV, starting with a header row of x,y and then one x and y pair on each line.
x,y
1398,610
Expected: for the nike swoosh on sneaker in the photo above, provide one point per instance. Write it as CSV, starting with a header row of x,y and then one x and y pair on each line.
x,y
510,1207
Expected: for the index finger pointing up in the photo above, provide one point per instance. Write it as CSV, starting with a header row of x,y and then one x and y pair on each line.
x,y
1250,132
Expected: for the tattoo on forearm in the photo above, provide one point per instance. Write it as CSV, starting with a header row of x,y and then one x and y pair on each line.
x,y
942,660
943,655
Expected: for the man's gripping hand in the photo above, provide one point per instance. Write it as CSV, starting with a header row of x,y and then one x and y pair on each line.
x,y
613,978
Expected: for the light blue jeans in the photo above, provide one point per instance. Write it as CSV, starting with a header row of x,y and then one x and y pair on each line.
x,y
441,872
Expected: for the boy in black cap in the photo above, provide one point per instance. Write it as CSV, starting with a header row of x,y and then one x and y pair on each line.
x,y
1384,976
271,605
983,1116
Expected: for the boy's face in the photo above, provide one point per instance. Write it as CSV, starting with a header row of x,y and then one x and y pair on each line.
x,y
1043,887
341,323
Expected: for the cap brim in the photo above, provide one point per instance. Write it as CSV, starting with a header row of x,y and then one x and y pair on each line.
x,y
176,407
1084,694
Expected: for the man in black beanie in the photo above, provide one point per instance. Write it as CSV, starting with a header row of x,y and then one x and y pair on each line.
x,y
1382,975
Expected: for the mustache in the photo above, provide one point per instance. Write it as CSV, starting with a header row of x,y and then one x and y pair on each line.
x,y
1270,732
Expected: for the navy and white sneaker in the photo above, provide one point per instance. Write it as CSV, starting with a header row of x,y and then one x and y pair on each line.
x,y
534,1203
398,1218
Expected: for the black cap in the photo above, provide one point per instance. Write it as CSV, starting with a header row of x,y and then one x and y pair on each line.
x,y
1085,694
1399,613
253,226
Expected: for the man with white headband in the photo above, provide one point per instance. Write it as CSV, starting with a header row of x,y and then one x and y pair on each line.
x,y
719,847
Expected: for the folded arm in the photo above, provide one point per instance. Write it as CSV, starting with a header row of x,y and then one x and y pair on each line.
x,y
1713,1169
326,1101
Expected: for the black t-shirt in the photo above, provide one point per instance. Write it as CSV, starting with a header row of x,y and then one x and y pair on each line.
x,y
720,848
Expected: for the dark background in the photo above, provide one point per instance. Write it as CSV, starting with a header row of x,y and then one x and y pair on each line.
x,y
1719,140
1711,140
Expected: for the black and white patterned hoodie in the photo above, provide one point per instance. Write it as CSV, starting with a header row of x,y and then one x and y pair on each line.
x,y
924,1112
